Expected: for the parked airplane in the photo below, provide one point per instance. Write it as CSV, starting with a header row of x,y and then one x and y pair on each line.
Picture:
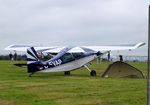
x,y
65,59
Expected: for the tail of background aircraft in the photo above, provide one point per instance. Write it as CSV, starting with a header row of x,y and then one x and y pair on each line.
x,y
33,61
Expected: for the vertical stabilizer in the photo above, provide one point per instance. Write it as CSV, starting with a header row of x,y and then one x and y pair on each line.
x,y
32,60
32,56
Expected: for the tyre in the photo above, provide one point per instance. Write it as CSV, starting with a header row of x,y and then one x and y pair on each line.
x,y
67,73
93,73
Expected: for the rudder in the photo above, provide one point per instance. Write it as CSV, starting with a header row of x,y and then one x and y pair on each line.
x,y
32,60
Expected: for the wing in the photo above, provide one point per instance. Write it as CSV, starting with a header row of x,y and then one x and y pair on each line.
x,y
105,48
23,48
115,47
57,49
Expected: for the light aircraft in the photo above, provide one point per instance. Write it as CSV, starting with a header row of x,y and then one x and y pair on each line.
x,y
65,59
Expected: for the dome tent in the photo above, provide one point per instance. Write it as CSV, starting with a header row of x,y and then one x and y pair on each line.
x,y
121,69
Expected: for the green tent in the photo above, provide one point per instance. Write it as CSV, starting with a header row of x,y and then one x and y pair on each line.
x,y
120,69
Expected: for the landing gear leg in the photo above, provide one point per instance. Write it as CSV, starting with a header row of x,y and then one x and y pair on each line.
x,y
92,72
67,73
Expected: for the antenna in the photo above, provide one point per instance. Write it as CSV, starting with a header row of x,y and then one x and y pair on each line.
x,y
148,62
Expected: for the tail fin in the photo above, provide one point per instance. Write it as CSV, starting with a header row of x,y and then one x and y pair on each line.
x,y
33,61
32,56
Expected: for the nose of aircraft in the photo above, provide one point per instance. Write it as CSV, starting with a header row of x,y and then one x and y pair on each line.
x,y
98,53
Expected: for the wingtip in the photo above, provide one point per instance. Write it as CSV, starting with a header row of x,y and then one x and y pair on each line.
x,y
140,44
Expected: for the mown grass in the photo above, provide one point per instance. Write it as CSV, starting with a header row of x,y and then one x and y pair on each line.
x,y
16,88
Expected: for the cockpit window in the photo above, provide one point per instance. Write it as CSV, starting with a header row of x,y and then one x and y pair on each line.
x,y
67,58
78,55
45,56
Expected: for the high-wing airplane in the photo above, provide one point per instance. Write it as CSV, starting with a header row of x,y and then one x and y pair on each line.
x,y
65,59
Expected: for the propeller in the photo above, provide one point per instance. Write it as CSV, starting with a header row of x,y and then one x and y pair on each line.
x,y
99,55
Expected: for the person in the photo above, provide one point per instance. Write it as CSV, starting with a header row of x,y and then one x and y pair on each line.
x,y
121,58
15,56
108,56
10,56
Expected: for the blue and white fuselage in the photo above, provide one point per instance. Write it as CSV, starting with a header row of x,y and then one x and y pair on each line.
x,y
61,62
59,66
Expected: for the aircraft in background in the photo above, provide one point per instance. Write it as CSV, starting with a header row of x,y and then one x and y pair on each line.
x,y
65,59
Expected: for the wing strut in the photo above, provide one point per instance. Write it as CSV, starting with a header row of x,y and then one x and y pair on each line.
x,y
87,68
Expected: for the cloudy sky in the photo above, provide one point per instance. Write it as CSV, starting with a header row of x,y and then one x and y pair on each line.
x,y
74,22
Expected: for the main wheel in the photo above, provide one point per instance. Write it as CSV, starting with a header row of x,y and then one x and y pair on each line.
x,y
67,73
93,73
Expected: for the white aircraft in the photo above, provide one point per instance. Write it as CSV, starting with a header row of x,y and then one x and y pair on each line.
x,y
65,59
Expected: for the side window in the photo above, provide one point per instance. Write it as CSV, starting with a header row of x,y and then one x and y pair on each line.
x,y
78,55
45,56
67,58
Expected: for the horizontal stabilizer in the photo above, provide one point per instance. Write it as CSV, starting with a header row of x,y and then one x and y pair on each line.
x,y
21,64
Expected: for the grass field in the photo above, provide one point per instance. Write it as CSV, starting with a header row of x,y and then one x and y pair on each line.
x,y
16,88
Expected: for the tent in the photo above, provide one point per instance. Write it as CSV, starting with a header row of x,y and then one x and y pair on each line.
x,y
121,69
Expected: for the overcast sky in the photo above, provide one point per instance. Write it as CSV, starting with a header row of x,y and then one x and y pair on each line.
x,y
74,22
